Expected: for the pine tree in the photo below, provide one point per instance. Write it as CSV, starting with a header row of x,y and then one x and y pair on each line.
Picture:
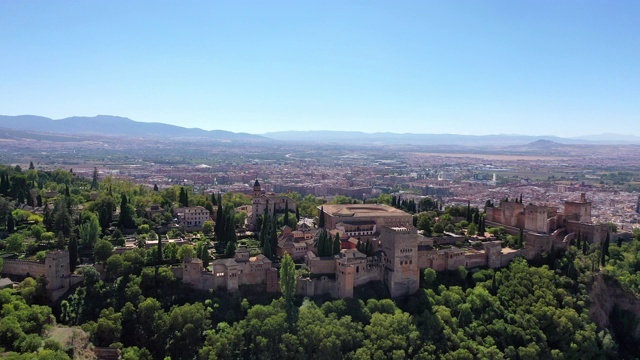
x,y
336,245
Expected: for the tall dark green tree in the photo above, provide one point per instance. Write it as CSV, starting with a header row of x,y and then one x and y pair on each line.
x,y
336,245
288,282
266,250
321,217
31,166
286,213
73,252
273,235
61,218
126,220
94,179
183,198
159,259
585,247
155,187
11,223
521,238
218,227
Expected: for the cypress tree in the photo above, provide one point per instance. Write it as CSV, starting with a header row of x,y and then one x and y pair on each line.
x,y
266,250
286,213
297,214
578,243
336,244
214,202
585,247
205,256
11,223
219,225
31,167
469,219
494,285
181,197
60,241
321,243
321,217
273,236
155,187
159,252
521,238
73,252
39,200
605,245
94,181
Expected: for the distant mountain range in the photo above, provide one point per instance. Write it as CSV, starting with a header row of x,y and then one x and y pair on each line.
x,y
43,128
356,137
106,125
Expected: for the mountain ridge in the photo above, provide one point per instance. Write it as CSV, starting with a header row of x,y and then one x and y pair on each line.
x,y
117,126
110,125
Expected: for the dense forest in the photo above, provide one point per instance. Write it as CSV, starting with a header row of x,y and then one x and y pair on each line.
x,y
529,310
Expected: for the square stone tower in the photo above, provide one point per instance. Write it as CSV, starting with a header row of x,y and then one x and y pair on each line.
x,y
401,273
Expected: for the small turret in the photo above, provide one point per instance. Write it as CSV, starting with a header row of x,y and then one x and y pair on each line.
x,y
257,189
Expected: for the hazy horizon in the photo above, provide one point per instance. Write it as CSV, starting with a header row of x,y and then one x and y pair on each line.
x,y
562,69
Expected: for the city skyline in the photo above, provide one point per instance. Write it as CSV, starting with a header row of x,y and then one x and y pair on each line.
x,y
533,68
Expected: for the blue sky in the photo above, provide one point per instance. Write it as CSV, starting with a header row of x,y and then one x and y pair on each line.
x,y
563,68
